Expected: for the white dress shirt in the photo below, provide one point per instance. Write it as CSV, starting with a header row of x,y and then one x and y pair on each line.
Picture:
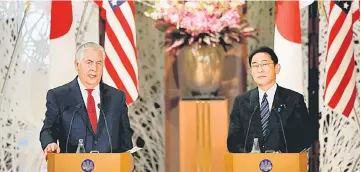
x,y
270,95
95,94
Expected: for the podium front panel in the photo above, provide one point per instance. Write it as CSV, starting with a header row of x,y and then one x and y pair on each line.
x,y
277,162
99,162
203,126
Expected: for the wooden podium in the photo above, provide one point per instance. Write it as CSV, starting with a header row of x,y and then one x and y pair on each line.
x,y
99,162
203,126
281,162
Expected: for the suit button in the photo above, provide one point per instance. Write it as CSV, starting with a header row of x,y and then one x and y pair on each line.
x,y
95,142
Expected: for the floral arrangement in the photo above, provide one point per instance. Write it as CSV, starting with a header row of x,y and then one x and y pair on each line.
x,y
200,21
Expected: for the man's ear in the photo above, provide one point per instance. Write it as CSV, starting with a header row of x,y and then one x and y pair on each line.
x,y
278,68
76,65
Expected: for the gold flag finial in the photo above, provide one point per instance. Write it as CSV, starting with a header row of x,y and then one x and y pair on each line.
x,y
27,7
321,9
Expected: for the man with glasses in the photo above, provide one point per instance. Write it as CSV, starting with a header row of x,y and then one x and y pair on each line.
x,y
276,116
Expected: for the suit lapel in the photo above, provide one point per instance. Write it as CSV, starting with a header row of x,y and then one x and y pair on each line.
x,y
76,93
104,105
256,120
282,104
278,99
254,99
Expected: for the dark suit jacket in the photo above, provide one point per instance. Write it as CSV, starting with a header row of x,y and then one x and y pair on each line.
x,y
299,131
63,101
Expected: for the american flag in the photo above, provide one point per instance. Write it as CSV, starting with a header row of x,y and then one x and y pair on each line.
x,y
121,69
340,90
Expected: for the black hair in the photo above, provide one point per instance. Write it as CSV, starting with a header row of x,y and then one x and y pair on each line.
x,y
264,49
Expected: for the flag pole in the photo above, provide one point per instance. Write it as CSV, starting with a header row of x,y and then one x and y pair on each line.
x,y
81,21
357,119
13,53
357,116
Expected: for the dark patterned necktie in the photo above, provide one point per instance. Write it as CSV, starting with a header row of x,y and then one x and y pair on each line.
x,y
264,114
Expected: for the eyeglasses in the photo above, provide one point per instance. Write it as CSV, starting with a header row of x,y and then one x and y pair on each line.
x,y
263,65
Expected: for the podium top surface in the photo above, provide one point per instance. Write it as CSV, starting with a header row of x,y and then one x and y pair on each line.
x,y
203,98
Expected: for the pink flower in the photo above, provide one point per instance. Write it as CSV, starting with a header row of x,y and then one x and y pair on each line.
x,y
217,13
215,25
186,21
171,16
195,23
197,17
231,17
200,21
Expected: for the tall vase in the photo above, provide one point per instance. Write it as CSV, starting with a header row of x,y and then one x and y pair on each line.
x,y
202,68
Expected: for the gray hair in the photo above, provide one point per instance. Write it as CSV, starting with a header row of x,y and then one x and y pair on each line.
x,y
87,45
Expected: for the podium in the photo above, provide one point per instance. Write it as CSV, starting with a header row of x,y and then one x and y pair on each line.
x,y
274,162
79,162
203,126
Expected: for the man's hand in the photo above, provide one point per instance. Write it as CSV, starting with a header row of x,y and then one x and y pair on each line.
x,y
52,147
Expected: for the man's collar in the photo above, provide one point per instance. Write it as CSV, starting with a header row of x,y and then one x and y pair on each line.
x,y
82,87
270,92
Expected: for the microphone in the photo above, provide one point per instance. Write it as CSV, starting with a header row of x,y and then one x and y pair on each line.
x,y
106,127
283,130
70,126
249,126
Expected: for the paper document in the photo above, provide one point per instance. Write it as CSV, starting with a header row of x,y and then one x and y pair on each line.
x,y
134,149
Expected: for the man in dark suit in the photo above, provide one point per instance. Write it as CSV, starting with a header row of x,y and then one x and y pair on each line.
x,y
277,116
81,108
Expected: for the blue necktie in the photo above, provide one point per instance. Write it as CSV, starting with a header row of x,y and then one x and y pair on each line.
x,y
264,114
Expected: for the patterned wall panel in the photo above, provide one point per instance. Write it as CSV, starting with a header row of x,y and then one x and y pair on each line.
x,y
24,97
304,42
339,136
86,16
146,114
260,14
